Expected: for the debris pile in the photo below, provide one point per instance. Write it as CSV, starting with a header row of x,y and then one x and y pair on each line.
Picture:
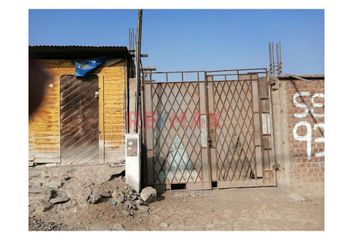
x,y
51,188
36,224
124,195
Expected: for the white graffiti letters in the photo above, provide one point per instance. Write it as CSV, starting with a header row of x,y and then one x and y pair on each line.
x,y
315,110
307,137
301,105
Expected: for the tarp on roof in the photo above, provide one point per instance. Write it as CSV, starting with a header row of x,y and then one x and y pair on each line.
x,y
85,66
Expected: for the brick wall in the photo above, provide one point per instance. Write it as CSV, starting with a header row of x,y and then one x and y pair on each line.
x,y
305,104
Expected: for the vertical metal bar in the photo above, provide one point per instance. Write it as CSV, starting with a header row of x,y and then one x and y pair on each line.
x,y
273,60
182,76
208,128
252,120
152,177
260,122
137,68
272,125
281,61
270,57
278,59
143,124
166,77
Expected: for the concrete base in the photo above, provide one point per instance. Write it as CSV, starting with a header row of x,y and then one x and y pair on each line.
x,y
132,161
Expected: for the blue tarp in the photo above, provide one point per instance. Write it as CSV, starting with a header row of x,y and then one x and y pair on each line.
x,y
85,66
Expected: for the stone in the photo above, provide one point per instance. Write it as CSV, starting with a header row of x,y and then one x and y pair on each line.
x,y
101,192
114,202
105,194
54,184
297,197
129,205
121,198
138,202
164,225
118,227
45,205
209,225
118,196
59,199
143,208
94,198
148,194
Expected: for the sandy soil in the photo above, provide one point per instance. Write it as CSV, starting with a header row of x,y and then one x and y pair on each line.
x,y
227,209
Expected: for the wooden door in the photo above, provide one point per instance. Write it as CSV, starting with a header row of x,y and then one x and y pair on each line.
x,y
79,132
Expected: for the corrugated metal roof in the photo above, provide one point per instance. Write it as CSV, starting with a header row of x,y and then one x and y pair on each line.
x,y
76,51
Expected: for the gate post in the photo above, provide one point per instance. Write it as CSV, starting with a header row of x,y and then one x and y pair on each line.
x,y
204,134
149,121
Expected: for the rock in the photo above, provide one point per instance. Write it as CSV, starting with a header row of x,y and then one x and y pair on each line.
x,y
59,199
40,193
143,208
45,205
148,194
94,198
164,225
105,194
54,184
297,197
138,202
114,202
209,225
101,192
118,196
118,227
130,206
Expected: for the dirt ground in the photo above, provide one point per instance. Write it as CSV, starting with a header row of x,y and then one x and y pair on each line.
x,y
226,209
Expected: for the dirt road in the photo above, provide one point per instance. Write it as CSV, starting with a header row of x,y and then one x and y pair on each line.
x,y
228,209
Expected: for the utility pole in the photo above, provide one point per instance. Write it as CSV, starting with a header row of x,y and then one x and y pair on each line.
x,y
137,70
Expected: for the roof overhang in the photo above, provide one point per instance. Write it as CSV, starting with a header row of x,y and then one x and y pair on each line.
x,y
71,52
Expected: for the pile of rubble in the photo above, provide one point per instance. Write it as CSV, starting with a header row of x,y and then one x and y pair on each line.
x,y
125,195
36,224
73,188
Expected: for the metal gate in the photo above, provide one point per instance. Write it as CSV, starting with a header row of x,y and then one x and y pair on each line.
x,y
205,129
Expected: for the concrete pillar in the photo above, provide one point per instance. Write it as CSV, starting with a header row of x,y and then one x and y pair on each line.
x,y
280,118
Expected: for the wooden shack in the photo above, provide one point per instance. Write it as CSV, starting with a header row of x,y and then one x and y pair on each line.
x,y
80,120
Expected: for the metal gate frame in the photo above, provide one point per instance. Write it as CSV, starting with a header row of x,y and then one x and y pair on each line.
x,y
205,80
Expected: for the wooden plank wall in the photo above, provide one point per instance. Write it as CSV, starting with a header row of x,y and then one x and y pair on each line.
x,y
44,125
114,112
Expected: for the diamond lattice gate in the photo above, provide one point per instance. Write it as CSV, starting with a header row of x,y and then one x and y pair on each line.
x,y
176,154
214,129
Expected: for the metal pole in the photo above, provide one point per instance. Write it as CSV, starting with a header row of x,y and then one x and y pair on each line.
x,y
270,57
281,61
273,60
137,70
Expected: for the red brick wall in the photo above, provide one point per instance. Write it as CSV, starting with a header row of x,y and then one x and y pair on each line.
x,y
306,130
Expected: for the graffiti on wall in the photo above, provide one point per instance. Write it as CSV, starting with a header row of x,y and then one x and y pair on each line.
x,y
303,130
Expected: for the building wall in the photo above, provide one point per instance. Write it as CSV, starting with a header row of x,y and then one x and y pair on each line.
x,y
306,130
44,125
299,131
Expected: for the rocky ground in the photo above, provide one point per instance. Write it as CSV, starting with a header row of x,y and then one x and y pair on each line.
x,y
96,198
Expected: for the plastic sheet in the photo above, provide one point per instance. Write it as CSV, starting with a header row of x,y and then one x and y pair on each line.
x,y
85,66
